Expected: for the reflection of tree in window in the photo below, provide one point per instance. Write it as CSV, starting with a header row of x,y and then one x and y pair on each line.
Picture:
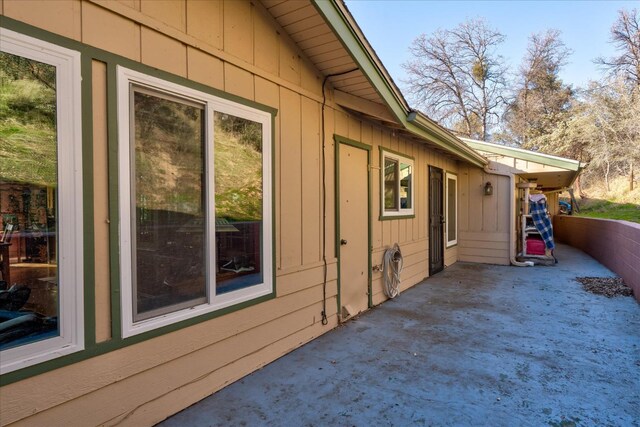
x,y
169,194
238,200
28,183
405,186
390,184
451,210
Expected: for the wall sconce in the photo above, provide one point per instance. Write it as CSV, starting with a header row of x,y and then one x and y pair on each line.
x,y
488,189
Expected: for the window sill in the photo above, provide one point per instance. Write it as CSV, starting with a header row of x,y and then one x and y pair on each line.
x,y
400,216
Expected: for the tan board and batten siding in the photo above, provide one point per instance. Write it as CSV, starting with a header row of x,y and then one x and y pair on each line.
x,y
483,221
238,49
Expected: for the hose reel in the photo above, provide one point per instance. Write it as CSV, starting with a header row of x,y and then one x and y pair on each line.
x,y
391,268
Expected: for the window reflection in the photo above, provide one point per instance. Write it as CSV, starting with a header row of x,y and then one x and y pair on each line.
x,y
169,229
452,200
405,186
28,193
238,200
390,184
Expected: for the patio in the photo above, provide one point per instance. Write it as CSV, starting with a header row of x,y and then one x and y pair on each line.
x,y
473,345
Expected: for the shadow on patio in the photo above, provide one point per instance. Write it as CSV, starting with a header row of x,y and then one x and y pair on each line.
x,y
473,345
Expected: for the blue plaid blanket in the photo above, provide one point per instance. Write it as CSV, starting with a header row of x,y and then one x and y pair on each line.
x,y
541,220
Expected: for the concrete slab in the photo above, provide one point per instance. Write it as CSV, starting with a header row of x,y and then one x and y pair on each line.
x,y
473,345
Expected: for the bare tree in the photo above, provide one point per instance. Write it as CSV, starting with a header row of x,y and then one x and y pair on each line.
x,y
457,77
540,97
603,129
616,112
625,36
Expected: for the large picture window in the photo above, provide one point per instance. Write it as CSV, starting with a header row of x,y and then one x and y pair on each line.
x,y
195,191
451,208
41,279
397,185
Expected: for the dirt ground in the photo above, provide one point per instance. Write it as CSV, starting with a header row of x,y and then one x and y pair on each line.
x,y
473,345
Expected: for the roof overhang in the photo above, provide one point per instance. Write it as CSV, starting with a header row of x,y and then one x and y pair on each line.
x,y
355,52
549,172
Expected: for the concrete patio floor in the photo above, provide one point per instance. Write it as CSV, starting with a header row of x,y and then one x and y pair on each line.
x,y
473,345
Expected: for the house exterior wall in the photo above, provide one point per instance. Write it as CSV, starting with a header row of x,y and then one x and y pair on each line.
x,y
525,166
483,220
552,203
235,47
410,234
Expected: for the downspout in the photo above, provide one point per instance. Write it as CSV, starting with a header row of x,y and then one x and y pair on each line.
x,y
512,218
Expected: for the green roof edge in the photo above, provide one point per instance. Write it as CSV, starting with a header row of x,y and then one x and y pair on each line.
x,y
522,154
338,18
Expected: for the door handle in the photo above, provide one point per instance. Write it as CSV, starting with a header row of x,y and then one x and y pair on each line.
x,y
343,242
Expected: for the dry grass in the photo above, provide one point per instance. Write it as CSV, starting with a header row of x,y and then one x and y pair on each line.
x,y
618,192
616,203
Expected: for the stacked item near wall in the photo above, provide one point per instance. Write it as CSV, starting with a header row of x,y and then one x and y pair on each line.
x,y
536,230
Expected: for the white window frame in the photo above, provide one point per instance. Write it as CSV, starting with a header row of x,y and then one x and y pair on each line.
x,y
390,213
127,77
452,176
70,214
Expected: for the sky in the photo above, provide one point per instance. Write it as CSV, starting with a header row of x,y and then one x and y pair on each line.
x,y
391,26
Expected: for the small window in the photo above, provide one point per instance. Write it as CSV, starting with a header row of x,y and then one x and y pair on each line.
x,y
195,191
397,185
451,207
41,276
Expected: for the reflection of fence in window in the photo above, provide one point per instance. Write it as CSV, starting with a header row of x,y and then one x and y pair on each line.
x,y
239,258
169,186
238,184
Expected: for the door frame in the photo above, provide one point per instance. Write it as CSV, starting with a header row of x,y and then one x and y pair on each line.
x,y
429,199
368,148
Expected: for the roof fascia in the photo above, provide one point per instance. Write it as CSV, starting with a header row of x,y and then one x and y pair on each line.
x,y
443,138
519,153
345,28
337,19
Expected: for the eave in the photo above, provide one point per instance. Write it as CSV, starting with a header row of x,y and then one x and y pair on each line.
x,y
552,173
519,153
343,25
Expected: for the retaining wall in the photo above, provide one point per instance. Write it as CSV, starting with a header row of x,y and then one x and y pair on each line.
x,y
614,243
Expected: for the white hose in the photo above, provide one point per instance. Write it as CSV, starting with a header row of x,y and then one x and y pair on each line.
x,y
391,268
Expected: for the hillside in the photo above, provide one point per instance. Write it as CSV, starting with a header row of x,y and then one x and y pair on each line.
x,y
617,203
27,128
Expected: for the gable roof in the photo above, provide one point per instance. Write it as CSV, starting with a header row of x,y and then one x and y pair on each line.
x,y
328,35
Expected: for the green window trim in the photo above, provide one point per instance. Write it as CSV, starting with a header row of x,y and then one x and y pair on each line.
x,y
397,185
91,347
199,288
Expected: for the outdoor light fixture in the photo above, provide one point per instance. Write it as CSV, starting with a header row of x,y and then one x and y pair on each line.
x,y
488,189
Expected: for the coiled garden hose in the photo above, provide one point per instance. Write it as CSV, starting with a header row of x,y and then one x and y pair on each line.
x,y
391,268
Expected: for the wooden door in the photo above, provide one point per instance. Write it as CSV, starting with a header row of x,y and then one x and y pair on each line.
x,y
353,231
436,221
